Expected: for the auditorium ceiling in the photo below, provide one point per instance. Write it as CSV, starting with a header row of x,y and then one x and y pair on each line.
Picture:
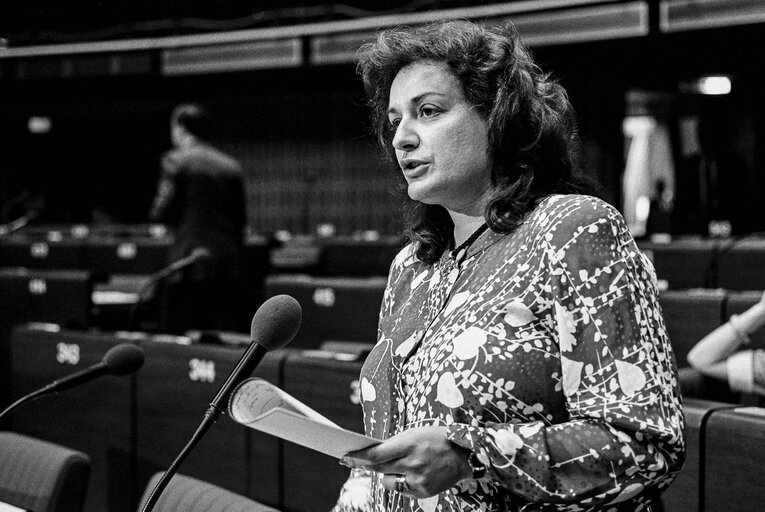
x,y
28,22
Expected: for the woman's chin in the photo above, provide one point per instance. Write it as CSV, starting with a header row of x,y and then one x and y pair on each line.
x,y
418,192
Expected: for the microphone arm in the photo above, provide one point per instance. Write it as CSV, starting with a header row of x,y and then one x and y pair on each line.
x,y
121,359
17,224
24,399
198,254
244,367
274,325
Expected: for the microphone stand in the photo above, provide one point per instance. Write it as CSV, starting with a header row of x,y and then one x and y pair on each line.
x,y
202,429
23,400
245,366
279,318
143,292
141,296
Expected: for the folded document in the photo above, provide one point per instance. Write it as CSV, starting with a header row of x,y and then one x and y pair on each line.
x,y
262,406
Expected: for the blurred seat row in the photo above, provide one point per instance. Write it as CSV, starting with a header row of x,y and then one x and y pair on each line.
x,y
132,427
143,250
728,263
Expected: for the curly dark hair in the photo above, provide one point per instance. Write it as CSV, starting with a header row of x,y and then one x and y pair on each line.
x,y
532,135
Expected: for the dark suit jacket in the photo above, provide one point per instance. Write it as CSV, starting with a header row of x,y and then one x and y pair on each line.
x,y
201,196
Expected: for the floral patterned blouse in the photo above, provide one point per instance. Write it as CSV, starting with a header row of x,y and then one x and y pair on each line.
x,y
545,352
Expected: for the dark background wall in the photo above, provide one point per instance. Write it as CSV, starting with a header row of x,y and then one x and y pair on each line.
x,y
303,136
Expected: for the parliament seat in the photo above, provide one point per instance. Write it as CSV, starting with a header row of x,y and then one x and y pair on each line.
x,y
334,308
346,256
42,251
94,418
134,255
187,494
55,296
683,495
173,391
684,263
328,384
40,476
740,265
734,455
689,316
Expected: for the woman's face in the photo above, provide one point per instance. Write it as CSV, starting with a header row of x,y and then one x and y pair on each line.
x,y
441,141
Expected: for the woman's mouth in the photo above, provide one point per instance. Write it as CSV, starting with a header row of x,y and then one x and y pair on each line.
x,y
414,169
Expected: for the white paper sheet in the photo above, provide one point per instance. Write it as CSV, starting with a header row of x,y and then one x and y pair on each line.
x,y
262,406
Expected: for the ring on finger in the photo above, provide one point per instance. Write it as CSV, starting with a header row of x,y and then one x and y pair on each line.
x,y
400,484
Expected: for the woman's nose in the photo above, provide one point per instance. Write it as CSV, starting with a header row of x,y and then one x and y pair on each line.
x,y
405,138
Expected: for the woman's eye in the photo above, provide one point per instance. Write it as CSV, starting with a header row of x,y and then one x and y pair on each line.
x,y
428,110
393,123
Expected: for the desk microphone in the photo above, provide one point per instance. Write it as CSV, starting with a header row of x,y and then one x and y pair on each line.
x,y
274,325
198,254
122,359
18,223
143,293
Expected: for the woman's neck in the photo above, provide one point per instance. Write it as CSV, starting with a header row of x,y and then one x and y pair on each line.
x,y
464,226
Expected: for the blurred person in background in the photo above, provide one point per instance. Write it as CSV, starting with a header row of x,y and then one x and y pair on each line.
x,y
201,197
522,361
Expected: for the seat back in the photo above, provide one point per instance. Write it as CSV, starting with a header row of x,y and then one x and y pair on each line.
x,y
186,494
40,476
735,449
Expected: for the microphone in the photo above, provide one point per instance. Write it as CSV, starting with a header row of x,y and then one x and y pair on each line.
x,y
122,359
19,223
198,254
274,325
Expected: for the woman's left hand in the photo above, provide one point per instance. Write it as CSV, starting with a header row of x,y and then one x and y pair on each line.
x,y
429,462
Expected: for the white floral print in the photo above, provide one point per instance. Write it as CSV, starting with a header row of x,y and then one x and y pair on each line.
x,y
545,352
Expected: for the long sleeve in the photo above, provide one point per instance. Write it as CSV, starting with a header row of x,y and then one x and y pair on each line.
x,y
624,432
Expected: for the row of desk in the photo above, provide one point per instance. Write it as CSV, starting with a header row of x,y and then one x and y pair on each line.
x,y
728,263
134,426
334,308
144,254
732,263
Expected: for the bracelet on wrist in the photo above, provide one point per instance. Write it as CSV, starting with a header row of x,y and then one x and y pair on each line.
x,y
741,334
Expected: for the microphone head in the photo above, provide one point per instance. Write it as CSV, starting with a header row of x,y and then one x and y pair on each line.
x,y
200,253
123,359
276,322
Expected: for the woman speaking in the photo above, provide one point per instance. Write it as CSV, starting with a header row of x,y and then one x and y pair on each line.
x,y
522,361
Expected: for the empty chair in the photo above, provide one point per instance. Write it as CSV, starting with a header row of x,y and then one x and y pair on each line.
x,y
41,476
186,494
